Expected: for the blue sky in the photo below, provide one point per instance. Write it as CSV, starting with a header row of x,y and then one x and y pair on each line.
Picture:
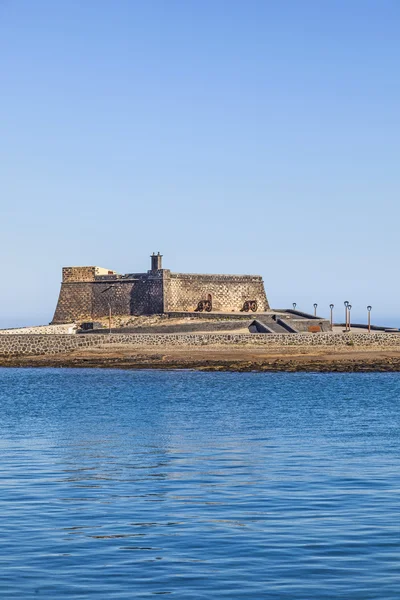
x,y
234,137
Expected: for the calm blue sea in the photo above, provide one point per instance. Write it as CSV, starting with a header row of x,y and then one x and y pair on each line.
x,y
118,484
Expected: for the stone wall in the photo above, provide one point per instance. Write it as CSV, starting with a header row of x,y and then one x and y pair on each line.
x,y
192,327
78,274
228,292
18,345
74,303
130,295
83,295
41,329
141,295
302,325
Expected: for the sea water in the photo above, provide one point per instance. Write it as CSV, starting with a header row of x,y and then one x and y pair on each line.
x,y
132,484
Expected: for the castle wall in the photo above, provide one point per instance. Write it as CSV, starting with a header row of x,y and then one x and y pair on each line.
x,y
89,300
84,295
229,292
74,303
79,274
139,296
119,297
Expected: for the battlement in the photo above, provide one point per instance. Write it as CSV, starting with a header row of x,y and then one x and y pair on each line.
x,y
78,274
215,277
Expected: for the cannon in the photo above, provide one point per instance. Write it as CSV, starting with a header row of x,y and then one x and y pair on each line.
x,y
249,305
204,305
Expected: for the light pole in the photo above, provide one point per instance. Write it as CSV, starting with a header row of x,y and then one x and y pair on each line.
x,y
294,305
331,306
349,307
369,308
346,303
315,309
111,287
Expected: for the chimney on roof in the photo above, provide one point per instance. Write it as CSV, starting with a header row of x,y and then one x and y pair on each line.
x,y
156,262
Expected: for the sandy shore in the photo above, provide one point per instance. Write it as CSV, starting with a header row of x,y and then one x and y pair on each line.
x,y
218,358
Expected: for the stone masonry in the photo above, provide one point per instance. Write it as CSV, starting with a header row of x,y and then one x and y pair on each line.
x,y
88,293
30,345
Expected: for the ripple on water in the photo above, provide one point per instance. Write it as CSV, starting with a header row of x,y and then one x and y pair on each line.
x,y
199,485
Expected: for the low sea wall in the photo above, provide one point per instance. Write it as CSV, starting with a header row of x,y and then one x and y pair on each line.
x,y
25,345
41,329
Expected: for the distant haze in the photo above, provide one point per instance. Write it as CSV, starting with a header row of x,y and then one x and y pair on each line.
x,y
234,137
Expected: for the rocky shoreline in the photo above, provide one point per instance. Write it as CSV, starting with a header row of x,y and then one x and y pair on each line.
x,y
220,359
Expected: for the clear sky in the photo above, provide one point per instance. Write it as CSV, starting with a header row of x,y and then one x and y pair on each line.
x,y
232,136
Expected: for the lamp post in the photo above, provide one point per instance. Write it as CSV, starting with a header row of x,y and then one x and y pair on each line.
x,y
315,309
331,306
111,287
346,303
349,307
369,308
294,305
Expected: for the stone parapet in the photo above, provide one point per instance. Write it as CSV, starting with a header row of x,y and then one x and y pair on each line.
x,y
79,274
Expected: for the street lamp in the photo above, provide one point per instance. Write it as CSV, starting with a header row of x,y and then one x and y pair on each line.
x,y
315,309
294,305
346,303
369,308
331,306
111,287
349,307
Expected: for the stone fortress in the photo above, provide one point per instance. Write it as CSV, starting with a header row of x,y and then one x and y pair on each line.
x,y
161,310
88,293
203,303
